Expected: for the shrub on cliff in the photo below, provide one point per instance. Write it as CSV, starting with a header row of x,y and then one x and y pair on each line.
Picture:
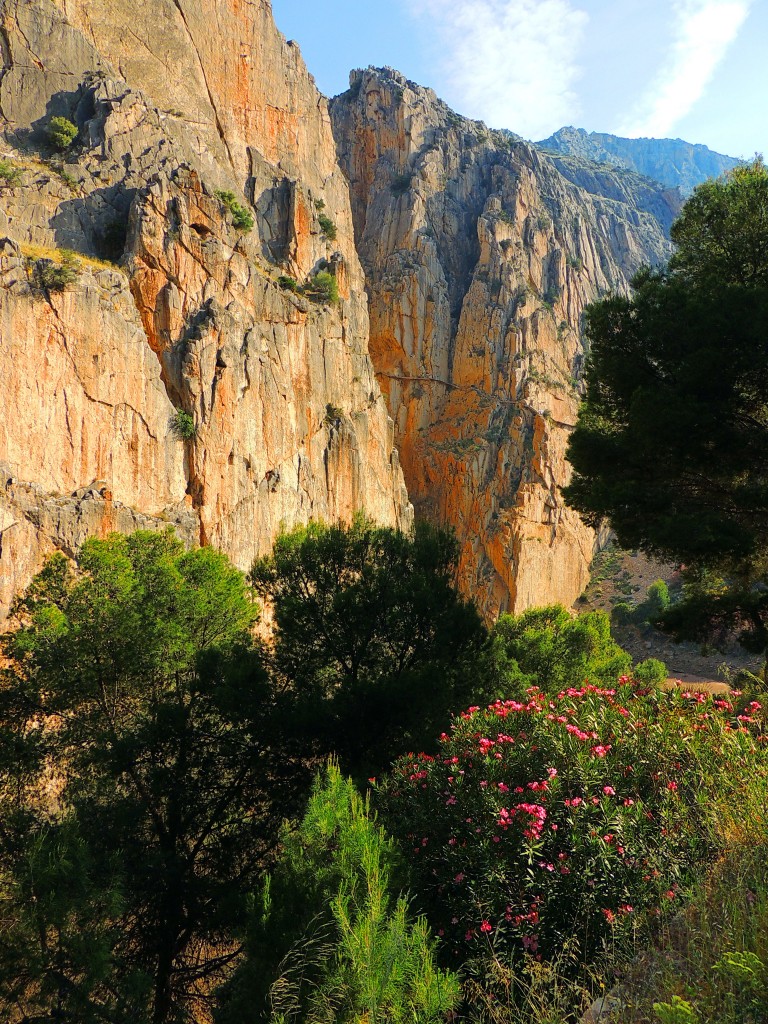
x,y
242,217
556,823
373,643
57,274
327,227
330,938
61,132
323,287
183,426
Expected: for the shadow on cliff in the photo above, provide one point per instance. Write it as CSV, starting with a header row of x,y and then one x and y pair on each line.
x,y
96,224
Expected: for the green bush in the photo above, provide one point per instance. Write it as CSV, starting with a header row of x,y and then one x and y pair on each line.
x,y
651,672
9,172
679,1011
61,132
242,217
400,184
183,426
331,941
333,414
622,613
564,820
656,602
323,287
550,648
288,284
327,227
373,646
56,276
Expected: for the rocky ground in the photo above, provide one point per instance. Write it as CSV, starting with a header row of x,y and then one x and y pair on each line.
x,y
623,576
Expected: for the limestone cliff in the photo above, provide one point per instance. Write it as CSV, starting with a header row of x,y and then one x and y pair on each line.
x,y
480,256
175,308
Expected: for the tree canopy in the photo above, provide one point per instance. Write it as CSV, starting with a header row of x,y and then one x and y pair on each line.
x,y
371,639
141,797
671,445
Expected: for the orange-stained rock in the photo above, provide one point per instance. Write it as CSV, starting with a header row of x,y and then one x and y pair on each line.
x,y
480,256
176,101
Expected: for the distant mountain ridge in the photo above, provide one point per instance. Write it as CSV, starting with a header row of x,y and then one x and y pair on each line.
x,y
672,162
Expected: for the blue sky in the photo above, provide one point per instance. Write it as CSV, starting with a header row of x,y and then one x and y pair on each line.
x,y
693,69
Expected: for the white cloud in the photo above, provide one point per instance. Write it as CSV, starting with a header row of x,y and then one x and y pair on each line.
x,y
511,63
703,32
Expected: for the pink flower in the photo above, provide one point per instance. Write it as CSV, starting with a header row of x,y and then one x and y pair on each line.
x,y
459,878
609,791
672,786
486,927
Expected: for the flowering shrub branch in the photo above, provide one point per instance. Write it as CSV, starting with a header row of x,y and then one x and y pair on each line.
x,y
561,819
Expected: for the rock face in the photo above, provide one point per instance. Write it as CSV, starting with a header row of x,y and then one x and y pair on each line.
x,y
176,100
673,162
480,255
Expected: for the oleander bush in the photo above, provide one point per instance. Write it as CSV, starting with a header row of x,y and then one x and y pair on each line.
x,y
563,821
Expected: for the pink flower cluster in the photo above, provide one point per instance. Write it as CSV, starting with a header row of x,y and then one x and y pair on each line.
x,y
537,815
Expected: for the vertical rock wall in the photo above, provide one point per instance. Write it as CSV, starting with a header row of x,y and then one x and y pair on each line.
x,y
480,256
175,101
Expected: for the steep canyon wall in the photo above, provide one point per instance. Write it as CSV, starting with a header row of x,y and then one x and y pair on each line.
x,y
175,100
480,255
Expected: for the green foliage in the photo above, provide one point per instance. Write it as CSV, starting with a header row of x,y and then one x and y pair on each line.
x,y
61,132
319,204
550,648
564,821
327,227
672,441
651,672
323,287
372,641
183,426
242,218
333,414
716,953
400,184
9,172
288,284
679,1011
135,684
57,276
330,941
656,601
722,232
